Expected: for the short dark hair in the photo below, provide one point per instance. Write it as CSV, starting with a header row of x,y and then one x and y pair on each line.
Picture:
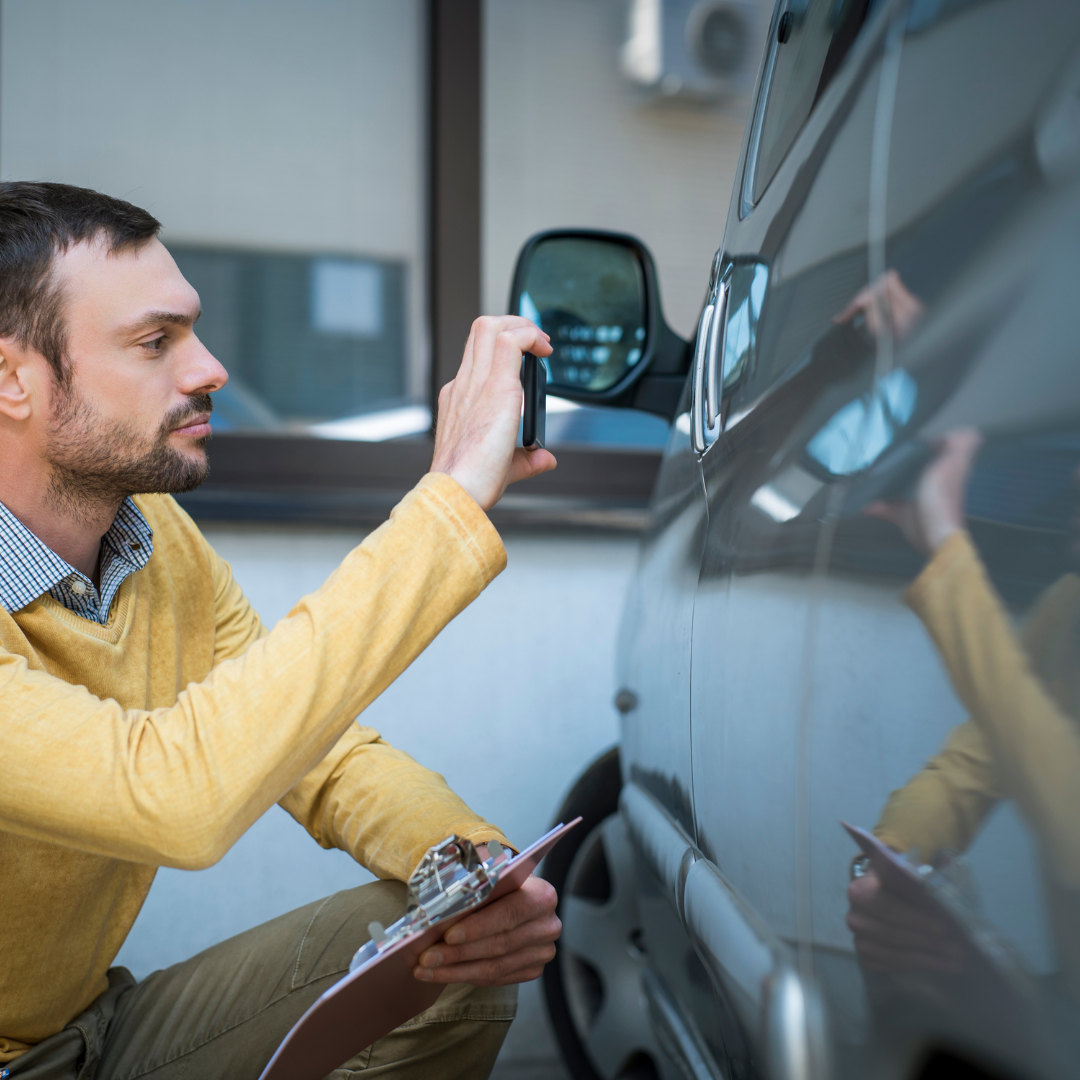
x,y
39,221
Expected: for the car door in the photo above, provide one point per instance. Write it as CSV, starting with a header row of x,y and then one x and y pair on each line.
x,y
946,720
795,259
654,677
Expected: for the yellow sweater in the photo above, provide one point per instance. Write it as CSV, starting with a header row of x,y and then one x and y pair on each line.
x,y
159,738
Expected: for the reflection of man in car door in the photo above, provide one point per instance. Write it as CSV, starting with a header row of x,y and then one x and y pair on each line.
x,y
1022,740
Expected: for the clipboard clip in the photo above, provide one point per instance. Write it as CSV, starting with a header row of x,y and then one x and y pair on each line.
x,y
449,880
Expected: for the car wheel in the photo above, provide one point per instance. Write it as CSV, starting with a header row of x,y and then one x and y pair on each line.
x,y
593,986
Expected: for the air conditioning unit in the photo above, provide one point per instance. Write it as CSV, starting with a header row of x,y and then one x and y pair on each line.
x,y
706,49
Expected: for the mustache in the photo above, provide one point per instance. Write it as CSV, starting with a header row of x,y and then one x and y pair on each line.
x,y
195,405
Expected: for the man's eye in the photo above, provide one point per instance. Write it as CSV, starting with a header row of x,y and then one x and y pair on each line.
x,y
156,344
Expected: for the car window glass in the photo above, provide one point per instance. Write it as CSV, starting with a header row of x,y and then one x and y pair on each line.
x,y
811,37
800,299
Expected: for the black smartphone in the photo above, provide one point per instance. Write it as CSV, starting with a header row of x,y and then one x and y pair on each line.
x,y
534,416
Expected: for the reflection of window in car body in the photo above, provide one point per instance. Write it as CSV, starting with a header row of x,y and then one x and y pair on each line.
x,y
861,431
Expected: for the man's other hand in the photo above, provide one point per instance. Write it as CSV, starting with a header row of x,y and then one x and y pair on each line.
x,y
480,409
508,941
893,935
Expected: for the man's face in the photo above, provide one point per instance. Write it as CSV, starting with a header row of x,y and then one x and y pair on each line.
x,y
134,415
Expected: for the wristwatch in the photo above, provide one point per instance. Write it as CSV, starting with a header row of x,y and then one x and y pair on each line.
x,y
860,865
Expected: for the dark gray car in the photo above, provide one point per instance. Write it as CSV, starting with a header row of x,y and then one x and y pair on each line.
x,y
858,598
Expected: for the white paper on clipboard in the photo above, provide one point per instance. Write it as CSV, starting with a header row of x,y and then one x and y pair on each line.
x,y
382,993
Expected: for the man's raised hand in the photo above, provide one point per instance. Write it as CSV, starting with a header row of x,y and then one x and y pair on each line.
x,y
479,411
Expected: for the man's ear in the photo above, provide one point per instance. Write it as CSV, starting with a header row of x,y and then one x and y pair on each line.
x,y
18,378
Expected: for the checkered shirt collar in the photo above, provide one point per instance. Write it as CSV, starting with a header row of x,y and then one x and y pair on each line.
x,y
29,568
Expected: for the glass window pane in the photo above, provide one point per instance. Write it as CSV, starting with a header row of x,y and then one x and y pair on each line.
x,y
305,338
812,38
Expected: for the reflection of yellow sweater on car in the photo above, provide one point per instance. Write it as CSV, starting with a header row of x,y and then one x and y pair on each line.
x,y
1022,740
160,737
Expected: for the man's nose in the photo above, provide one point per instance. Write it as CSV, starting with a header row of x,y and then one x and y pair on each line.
x,y
201,373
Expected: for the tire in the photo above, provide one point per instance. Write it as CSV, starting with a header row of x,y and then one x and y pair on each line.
x,y
593,986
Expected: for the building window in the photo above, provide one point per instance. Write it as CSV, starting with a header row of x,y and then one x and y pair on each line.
x,y
306,339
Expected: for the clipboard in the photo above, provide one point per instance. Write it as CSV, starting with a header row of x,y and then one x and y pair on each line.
x,y
380,992
990,958
896,873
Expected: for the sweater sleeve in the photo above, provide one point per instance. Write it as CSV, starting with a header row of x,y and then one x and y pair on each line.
x,y
943,806
178,786
236,624
364,797
1033,743
381,806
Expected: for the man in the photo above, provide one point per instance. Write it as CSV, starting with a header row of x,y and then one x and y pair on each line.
x,y
149,719
1021,741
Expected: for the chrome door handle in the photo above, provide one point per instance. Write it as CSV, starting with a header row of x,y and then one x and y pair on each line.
x,y
697,398
705,402
714,360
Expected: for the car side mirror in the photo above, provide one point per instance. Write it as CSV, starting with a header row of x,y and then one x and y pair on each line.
x,y
595,293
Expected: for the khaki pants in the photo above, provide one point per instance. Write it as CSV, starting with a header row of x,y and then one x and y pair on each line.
x,y
221,1014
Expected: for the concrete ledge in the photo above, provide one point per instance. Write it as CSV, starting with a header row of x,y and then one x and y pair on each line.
x,y
319,481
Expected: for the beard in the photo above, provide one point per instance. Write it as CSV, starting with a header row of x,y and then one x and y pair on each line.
x,y
95,462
